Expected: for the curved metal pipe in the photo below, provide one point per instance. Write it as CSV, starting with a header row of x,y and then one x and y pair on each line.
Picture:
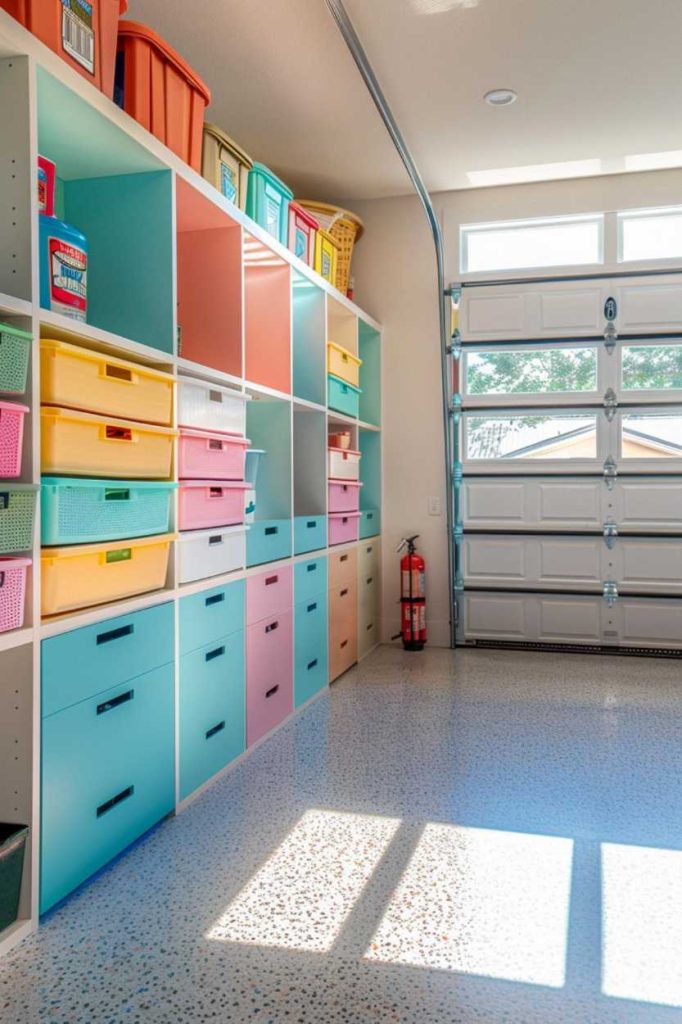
x,y
356,48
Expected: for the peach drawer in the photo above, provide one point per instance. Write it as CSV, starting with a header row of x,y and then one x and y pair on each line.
x,y
343,567
269,593
343,653
269,675
343,609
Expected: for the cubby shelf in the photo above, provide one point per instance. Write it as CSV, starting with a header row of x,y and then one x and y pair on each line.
x,y
181,280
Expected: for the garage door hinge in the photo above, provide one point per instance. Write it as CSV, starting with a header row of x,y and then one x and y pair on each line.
x,y
454,350
610,472
456,407
610,337
610,404
610,533
610,593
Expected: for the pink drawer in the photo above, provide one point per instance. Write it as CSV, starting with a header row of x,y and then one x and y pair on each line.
x,y
203,504
344,495
269,675
268,593
343,527
203,455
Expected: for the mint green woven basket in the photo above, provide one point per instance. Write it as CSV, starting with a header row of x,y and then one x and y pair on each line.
x,y
15,348
17,515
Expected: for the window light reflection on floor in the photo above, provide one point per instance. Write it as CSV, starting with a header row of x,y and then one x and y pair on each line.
x,y
302,895
642,923
483,902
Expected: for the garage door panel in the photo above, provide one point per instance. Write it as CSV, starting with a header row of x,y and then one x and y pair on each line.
x,y
494,502
646,504
523,562
650,623
649,305
563,620
576,311
533,503
570,560
570,503
496,616
548,309
491,314
496,559
648,564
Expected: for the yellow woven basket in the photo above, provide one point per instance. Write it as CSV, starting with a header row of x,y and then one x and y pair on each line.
x,y
345,227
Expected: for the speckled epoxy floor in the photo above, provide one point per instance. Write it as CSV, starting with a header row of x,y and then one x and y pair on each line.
x,y
480,837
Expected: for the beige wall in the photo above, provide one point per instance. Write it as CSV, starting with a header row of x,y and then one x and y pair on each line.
x,y
394,269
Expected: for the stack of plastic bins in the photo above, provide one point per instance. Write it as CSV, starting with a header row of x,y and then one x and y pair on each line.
x,y
17,500
211,468
343,611
343,471
107,460
269,652
212,683
311,640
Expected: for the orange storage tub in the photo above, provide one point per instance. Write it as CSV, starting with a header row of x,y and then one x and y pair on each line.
x,y
83,32
161,91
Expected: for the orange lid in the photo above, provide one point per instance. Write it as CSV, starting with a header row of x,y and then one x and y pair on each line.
x,y
122,7
134,29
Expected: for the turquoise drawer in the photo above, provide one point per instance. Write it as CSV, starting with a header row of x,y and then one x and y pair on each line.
x,y
268,540
310,648
86,661
108,775
310,579
343,397
213,613
212,710
370,522
310,534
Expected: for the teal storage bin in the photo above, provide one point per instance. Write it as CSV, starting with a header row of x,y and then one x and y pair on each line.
x,y
13,840
86,661
370,522
311,648
310,534
267,201
267,541
108,775
17,516
212,710
15,348
83,511
211,614
310,579
343,397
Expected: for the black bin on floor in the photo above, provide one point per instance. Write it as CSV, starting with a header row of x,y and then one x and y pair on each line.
x,y
12,848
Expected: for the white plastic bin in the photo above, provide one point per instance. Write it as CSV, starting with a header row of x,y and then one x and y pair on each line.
x,y
343,464
205,553
210,407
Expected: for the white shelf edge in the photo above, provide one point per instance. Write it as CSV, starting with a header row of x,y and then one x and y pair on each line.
x,y
90,616
16,638
15,934
303,403
188,368
9,305
86,334
369,426
340,417
262,389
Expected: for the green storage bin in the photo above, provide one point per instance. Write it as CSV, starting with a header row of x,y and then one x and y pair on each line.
x,y
17,514
267,201
15,348
343,397
12,848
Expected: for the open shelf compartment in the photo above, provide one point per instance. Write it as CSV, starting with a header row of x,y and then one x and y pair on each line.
x,y
308,340
310,480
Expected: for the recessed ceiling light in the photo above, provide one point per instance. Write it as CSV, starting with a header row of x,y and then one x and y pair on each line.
x,y
500,97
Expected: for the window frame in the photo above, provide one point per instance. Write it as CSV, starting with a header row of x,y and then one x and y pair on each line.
x,y
466,230
641,213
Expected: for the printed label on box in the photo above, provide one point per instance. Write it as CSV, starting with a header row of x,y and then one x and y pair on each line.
x,y
301,249
228,181
68,278
78,34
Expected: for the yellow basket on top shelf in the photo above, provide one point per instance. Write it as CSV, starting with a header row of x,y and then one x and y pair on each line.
x,y
343,226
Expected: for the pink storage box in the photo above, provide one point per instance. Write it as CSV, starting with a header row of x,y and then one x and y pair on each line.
x,y
206,455
12,592
343,527
203,504
269,675
11,438
268,593
344,495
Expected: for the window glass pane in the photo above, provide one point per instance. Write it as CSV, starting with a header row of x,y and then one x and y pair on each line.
x,y
531,436
652,367
649,435
526,372
654,235
525,244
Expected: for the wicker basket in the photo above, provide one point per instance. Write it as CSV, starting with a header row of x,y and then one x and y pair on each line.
x,y
342,225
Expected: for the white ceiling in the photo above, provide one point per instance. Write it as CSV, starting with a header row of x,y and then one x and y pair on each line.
x,y
598,81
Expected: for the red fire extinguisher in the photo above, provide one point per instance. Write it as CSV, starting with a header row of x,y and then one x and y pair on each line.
x,y
412,596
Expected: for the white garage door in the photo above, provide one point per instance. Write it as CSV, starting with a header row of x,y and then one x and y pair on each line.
x,y
569,483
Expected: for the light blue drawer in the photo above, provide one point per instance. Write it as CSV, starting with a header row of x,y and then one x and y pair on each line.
x,y
310,534
310,579
212,710
211,614
268,540
108,775
310,648
370,522
86,661
343,397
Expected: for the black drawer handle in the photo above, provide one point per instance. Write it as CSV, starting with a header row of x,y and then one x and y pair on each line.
x,y
343,558
312,664
369,550
271,530
269,580
215,396
312,607
215,492
115,634
214,599
214,445
369,515
217,653
311,524
215,730
115,702
116,494
343,592
108,805
2,580
371,626
272,692
272,627
217,539
312,567
4,500
343,644
369,580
